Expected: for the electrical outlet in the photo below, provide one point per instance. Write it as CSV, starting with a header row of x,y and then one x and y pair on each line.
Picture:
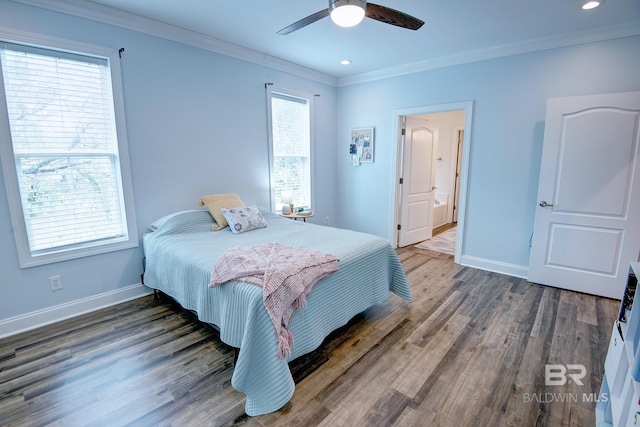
x,y
55,282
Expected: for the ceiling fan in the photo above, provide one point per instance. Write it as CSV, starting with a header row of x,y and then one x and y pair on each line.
x,y
348,13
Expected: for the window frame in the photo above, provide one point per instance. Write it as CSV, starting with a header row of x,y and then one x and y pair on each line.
x,y
27,257
276,205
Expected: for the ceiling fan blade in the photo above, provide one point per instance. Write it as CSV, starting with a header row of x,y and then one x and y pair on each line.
x,y
393,17
304,22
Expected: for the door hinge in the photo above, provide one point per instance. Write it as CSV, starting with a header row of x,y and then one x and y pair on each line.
x,y
403,132
399,226
401,180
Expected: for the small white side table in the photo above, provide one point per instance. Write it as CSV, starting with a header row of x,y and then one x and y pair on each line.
x,y
298,215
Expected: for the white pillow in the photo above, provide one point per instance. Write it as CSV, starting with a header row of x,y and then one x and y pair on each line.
x,y
158,222
244,218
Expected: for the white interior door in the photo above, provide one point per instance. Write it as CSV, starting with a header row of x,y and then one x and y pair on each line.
x,y
418,179
587,223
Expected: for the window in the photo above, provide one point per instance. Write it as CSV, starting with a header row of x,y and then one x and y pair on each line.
x,y
64,159
290,147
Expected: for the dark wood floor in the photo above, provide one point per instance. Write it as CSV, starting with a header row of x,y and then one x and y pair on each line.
x,y
469,351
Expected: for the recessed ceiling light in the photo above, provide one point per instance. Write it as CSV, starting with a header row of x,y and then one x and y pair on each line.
x,y
345,62
592,4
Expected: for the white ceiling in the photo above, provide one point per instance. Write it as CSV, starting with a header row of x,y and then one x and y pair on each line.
x,y
455,31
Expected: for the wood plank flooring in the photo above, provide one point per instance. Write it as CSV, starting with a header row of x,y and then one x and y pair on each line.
x,y
469,351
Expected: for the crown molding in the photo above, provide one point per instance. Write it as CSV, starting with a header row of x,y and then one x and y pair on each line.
x,y
130,21
572,39
111,16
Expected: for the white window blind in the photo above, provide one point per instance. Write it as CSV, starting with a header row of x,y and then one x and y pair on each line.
x,y
290,119
65,147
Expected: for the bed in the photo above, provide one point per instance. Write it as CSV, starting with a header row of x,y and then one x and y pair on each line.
x,y
182,251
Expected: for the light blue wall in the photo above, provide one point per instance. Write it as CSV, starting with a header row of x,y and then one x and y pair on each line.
x,y
196,125
509,100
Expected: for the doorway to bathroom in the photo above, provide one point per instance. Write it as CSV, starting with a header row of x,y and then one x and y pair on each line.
x,y
430,169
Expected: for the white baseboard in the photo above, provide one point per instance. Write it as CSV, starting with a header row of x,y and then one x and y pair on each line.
x,y
35,319
514,270
60,312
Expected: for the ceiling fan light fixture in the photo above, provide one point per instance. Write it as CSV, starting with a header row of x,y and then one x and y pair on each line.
x,y
588,5
347,13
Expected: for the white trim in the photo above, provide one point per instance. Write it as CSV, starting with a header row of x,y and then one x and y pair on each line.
x,y
467,106
25,256
591,36
520,271
47,316
310,99
453,163
130,21
112,16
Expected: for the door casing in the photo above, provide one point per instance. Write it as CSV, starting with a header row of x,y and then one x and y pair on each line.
x,y
394,203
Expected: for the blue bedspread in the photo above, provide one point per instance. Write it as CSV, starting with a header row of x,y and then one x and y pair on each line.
x,y
180,255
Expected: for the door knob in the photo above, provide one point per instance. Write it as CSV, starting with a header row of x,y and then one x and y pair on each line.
x,y
544,204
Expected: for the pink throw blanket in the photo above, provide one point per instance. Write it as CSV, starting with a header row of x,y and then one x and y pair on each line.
x,y
286,273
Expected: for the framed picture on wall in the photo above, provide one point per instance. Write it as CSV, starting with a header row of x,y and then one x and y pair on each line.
x,y
361,145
